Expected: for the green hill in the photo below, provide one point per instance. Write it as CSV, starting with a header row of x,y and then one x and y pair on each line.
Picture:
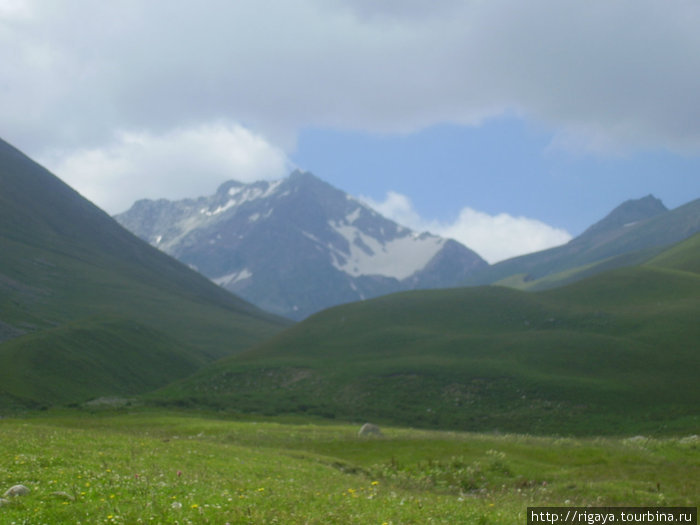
x,y
631,234
87,309
617,352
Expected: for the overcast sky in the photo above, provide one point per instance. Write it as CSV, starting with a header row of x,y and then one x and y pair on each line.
x,y
508,125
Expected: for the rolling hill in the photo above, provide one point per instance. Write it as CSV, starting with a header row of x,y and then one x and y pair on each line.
x,y
614,353
88,309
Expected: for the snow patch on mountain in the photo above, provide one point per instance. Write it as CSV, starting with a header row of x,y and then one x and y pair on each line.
x,y
399,258
232,278
242,194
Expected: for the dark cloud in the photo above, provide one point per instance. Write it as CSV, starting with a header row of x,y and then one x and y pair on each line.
x,y
605,75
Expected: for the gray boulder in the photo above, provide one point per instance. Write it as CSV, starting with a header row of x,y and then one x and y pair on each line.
x,y
17,490
368,429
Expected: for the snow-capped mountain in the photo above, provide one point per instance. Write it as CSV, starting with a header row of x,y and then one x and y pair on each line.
x,y
297,245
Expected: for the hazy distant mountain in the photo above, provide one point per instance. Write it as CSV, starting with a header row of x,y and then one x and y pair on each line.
x,y
630,234
298,245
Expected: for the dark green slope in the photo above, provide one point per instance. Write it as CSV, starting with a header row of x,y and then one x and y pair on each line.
x,y
87,309
631,234
614,353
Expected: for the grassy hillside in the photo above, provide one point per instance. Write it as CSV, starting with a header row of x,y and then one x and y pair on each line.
x,y
629,235
614,353
525,281
87,309
680,257
168,468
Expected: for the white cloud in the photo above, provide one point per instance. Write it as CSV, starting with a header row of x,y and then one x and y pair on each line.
x,y
493,237
178,164
10,9
398,208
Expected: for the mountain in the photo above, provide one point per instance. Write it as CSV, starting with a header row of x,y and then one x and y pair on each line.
x,y
297,245
612,354
632,233
87,309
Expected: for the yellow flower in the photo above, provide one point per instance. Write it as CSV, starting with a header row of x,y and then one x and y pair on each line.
x,y
375,483
194,506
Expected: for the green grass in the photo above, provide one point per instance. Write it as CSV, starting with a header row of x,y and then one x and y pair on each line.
x,y
613,354
682,256
155,467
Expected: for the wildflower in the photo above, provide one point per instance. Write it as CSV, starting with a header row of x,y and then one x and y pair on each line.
x,y
176,505
179,473
194,506
375,483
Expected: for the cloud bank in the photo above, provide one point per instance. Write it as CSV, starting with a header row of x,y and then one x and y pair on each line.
x,y
493,237
605,75
131,98
182,163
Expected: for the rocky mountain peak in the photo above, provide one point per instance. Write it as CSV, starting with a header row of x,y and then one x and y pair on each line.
x,y
628,213
298,245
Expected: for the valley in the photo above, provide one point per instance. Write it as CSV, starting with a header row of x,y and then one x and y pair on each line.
x,y
133,389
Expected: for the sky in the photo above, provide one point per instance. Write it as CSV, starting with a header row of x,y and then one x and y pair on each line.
x,y
510,126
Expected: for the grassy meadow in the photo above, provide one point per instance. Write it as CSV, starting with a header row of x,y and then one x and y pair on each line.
x,y
150,466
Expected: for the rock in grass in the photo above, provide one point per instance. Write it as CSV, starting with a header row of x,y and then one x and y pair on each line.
x,y
17,490
368,429
63,495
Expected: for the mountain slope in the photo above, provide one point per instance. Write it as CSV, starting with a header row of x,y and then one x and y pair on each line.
x,y
81,298
297,245
633,232
615,353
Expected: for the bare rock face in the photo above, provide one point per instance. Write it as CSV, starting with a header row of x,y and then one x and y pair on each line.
x,y
368,429
17,490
